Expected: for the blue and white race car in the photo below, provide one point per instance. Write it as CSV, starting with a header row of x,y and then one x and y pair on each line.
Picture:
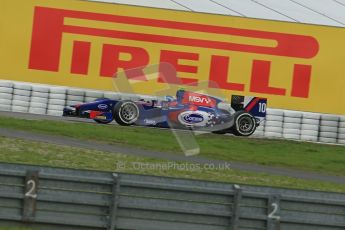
x,y
188,110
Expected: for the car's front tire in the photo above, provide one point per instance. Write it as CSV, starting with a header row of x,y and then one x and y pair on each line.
x,y
102,121
220,132
245,124
126,112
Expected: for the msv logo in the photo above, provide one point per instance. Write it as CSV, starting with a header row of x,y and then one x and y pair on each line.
x,y
51,24
203,100
198,99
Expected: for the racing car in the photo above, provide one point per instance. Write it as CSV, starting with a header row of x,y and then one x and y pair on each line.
x,y
188,110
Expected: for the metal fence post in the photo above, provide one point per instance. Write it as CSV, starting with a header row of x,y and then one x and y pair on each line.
x,y
236,208
30,196
115,202
273,212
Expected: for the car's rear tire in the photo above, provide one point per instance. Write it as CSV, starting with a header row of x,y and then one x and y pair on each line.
x,y
126,112
245,124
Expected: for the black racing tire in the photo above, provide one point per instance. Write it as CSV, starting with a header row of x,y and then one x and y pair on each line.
x,y
245,124
126,112
102,121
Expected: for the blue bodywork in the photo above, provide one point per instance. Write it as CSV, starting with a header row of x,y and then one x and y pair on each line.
x,y
188,110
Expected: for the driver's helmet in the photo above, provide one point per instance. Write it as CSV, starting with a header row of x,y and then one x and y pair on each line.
x,y
179,94
169,98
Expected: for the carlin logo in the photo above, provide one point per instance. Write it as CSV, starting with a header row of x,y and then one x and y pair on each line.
x,y
102,106
193,118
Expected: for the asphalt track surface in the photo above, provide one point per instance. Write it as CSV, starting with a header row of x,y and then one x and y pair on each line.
x,y
67,141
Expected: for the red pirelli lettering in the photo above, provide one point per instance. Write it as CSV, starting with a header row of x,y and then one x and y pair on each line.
x,y
301,81
49,27
80,57
111,62
219,73
261,77
173,57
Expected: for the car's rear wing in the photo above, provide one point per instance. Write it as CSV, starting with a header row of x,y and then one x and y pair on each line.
x,y
253,105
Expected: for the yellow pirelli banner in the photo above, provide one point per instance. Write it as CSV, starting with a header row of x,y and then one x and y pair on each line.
x,y
85,44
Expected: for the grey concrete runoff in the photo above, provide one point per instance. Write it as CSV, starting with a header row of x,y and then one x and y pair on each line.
x,y
73,142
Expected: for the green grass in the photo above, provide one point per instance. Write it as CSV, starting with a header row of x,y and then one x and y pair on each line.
x,y
27,152
14,228
313,157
